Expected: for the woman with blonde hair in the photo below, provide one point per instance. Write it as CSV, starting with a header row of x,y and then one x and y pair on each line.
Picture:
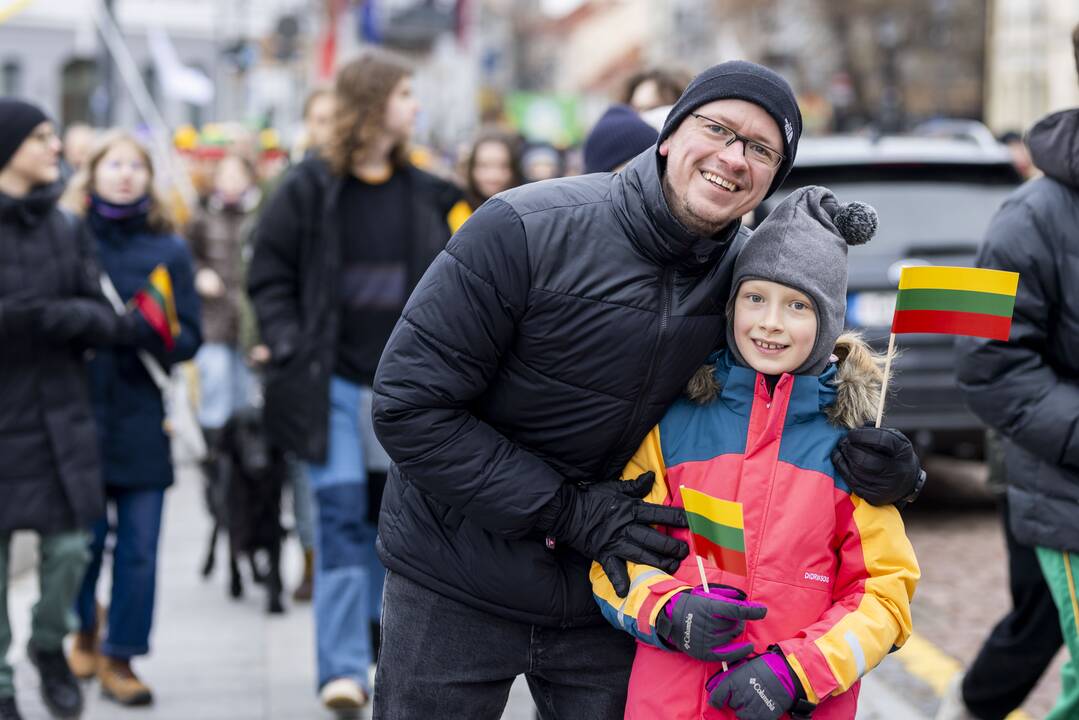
x,y
115,194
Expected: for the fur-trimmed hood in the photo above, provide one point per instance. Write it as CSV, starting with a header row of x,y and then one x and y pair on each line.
x,y
855,379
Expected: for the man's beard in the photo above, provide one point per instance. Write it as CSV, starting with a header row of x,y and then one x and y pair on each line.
x,y
684,214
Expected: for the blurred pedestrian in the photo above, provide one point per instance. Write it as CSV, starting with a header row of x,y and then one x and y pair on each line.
x,y
51,312
1026,388
654,87
1019,152
493,165
541,161
318,118
218,237
115,193
79,140
338,249
617,137
535,355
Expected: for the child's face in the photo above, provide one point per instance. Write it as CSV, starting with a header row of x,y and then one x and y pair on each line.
x,y
775,326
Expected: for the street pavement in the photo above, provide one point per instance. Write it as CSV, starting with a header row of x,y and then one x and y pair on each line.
x,y
214,658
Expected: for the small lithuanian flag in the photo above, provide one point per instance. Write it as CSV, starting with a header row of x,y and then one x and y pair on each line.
x,y
955,301
716,530
155,302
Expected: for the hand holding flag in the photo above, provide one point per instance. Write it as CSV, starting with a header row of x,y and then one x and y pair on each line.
x,y
157,305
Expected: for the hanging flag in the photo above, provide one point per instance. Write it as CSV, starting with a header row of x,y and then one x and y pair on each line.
x,y
955,301
178,81
156,304
716,530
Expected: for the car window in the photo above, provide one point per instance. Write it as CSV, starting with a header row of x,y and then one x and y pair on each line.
x,y
917,216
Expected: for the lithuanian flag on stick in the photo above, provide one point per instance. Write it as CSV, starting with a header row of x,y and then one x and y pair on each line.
x,y
155,302
716,530
951,301
955,301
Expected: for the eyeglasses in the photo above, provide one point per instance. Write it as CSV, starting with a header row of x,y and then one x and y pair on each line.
x,y
751,149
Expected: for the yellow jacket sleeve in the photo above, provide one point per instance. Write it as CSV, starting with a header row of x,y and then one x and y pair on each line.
x,y
650,588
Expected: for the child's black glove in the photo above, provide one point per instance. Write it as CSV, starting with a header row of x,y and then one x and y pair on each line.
x,y
880,466
763,688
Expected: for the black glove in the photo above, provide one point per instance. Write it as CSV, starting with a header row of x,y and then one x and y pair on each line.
x,y
608,523
21,317
879,464
704,624
763,688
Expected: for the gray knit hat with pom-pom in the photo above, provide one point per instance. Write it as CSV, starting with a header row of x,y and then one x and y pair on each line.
x,y
803,244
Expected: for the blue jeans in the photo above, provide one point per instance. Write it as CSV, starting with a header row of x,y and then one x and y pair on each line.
x,y
225,384
134,572
348,574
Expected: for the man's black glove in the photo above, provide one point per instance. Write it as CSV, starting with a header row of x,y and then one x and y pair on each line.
x,y
609,523
21,317
880,466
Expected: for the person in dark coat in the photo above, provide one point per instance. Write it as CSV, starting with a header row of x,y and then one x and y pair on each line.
x,y
1028,390
134,235
337,250
51,312
534,356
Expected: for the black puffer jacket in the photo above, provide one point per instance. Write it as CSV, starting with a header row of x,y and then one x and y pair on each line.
x,y
293,284
1028,387
540,348
51,311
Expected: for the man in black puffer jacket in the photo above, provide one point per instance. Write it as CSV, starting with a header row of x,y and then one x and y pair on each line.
x,y
1028,388
537,351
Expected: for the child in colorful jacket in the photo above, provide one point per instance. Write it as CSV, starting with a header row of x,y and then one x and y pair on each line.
x,y
824,587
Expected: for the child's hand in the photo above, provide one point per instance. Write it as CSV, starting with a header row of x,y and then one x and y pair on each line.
x,y
759,689
703,624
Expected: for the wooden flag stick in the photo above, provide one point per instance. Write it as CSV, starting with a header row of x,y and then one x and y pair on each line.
x,y
887,376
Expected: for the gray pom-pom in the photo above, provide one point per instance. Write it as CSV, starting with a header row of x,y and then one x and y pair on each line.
x,y
856,222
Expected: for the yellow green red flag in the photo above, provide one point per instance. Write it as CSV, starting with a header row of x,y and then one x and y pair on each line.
x,y
955,301
156,303
716,530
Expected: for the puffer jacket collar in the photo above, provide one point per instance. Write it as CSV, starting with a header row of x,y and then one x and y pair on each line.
x,y
1054,146
809,394
33,207
647,219
847,391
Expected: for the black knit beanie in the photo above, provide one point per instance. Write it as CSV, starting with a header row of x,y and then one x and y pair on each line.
x,y
17,120
619,135
741,80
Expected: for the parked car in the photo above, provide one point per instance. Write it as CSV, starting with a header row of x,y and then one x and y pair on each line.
x,y
935,198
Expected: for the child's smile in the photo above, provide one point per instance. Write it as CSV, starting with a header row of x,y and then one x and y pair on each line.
x,y
775,326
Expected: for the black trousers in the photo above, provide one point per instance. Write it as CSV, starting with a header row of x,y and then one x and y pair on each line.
x,y
443,659
1021,646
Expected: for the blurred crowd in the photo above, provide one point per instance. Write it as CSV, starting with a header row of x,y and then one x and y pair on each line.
x,y
175,364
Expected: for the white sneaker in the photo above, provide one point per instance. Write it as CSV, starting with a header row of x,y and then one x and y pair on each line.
x,y
951,704
344,696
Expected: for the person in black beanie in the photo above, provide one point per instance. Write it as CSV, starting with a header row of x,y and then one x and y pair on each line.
x,y
51,311
535,354
617,137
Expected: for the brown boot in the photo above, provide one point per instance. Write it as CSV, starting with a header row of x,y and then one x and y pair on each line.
x,y
306,586
120,683
84,656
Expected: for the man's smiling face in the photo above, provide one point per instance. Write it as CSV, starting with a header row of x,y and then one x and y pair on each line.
x,y
708,184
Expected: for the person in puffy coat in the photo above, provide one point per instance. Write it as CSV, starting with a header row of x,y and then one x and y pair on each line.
x,y
115,192
533,357
1028,387
813,585
51,313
